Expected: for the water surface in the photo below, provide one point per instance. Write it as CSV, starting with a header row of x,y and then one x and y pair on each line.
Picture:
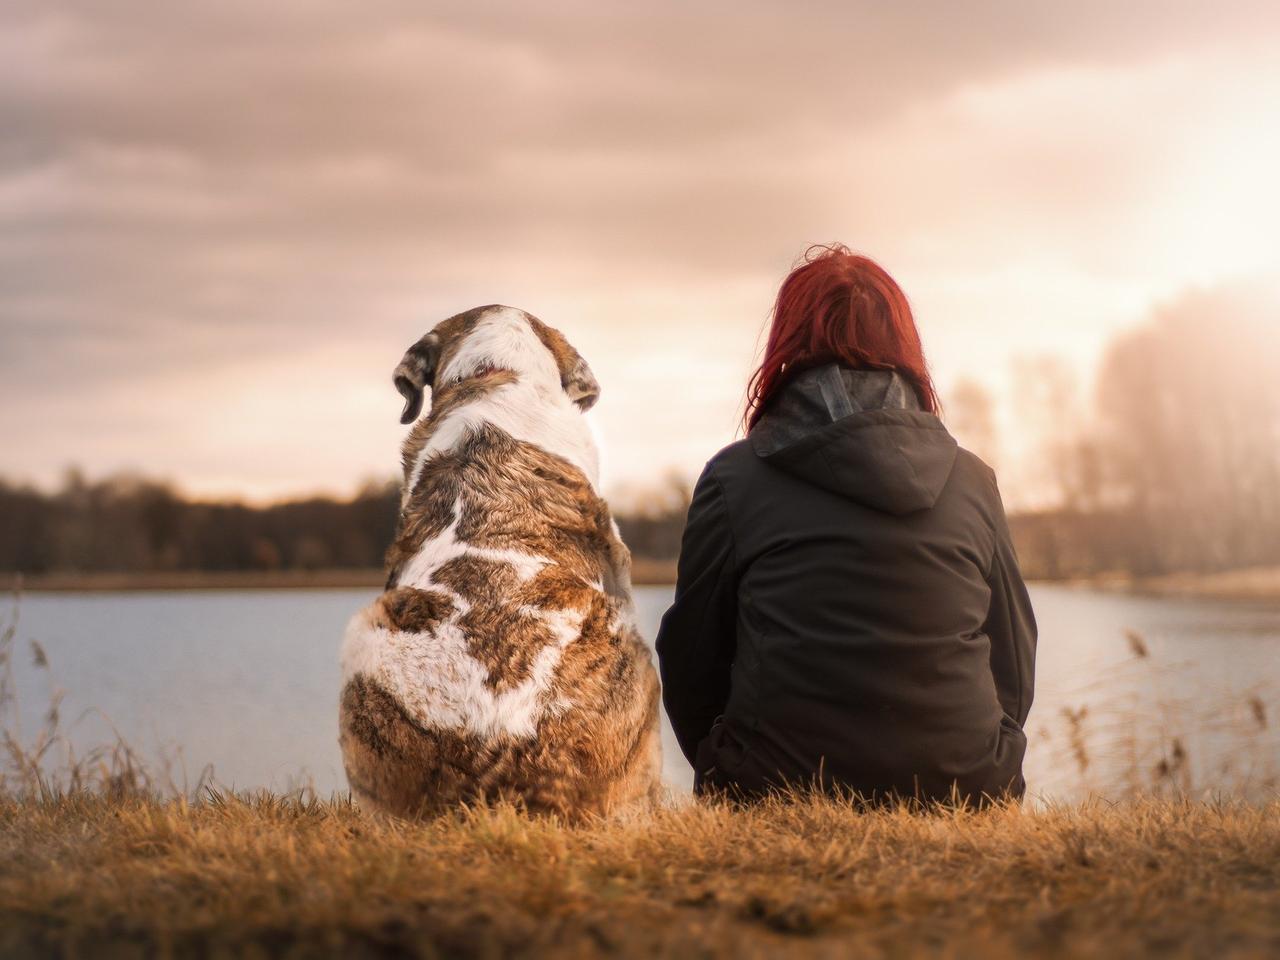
x,y
248,681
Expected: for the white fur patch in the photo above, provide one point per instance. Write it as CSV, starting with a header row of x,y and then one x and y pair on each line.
x,y
433,675
443,687
438,551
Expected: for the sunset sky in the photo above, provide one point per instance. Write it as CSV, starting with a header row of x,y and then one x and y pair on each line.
x,y
221,224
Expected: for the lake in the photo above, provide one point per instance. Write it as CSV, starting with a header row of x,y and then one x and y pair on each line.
x,y
247,681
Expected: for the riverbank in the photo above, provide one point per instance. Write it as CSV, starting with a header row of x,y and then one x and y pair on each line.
x,y
644,573
1248,584
201,580
229,876
1255,584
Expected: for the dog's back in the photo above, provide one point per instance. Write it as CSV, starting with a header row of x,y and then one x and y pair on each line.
x,y
502,661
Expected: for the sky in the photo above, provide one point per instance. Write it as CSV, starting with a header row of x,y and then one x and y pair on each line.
x,y
222,224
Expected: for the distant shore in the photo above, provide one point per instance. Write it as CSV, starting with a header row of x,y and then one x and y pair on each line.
x,y
644,573
1255,584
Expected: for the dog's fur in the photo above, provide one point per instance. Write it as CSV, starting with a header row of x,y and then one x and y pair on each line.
x,y
502,661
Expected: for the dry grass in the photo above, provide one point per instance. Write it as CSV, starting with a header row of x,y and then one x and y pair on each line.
x,y
86,874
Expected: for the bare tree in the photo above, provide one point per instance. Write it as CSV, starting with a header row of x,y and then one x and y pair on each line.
x,y
1063,460
971,418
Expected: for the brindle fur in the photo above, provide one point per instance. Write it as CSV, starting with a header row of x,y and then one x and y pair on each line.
x,y
594,754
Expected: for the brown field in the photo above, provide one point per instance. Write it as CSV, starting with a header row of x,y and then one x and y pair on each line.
x,y
85,874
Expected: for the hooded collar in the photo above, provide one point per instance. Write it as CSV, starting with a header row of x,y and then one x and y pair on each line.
x,y
858,433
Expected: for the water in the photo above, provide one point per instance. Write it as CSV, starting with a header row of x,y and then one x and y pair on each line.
x,y
248,681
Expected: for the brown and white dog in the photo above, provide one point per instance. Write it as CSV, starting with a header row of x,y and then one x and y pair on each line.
x,y
502,661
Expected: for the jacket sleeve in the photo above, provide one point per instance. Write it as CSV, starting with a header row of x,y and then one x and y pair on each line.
x,y
697,638
1011,626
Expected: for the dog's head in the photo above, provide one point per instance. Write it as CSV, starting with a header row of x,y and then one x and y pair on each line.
x,y
489,339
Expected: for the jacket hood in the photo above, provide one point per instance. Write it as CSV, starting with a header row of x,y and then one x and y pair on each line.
x,y
858,433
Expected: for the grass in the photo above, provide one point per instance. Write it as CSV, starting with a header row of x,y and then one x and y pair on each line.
x,y
89,874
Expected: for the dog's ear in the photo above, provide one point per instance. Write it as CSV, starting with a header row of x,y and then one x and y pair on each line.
x,y
580,383
415,372
575,376
577,380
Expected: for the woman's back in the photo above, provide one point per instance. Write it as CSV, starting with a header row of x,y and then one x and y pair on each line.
x,y
848,603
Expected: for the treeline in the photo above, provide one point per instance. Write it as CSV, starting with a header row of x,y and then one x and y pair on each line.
x,y
134,525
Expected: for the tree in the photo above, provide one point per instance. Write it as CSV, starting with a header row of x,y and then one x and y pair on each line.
x,y
1191,412
1063,468
970,411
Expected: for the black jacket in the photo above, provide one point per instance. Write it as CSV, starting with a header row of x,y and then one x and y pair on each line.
x,y
848,606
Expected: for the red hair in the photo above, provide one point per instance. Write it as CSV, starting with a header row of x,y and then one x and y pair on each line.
x,y
839,307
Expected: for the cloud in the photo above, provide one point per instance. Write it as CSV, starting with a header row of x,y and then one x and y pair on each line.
x,y
203,203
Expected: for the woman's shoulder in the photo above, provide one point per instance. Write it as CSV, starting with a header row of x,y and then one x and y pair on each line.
x,y
972,467
731,463
977,484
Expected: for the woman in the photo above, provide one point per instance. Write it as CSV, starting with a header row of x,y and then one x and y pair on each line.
x,y
848,611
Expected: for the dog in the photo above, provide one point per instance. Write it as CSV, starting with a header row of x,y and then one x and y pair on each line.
x,y
502,660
